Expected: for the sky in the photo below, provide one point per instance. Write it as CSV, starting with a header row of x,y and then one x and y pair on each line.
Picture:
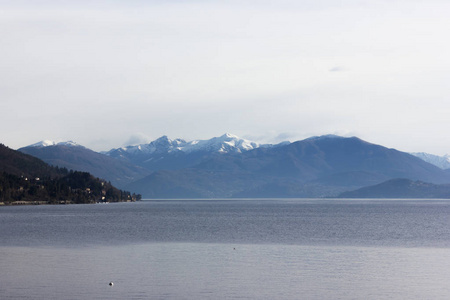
x,y
106,74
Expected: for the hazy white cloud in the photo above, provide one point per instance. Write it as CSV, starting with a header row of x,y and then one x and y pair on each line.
x,y
98,72
136,139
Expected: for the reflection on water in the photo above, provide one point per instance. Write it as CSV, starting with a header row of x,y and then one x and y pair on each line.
x,y
227,250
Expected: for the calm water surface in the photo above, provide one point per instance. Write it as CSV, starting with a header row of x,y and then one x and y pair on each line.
x,y
233,249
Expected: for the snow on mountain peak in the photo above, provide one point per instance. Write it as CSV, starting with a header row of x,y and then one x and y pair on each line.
x,y
160,145
44,143
227,143
68,143
230,136
442,162
47,143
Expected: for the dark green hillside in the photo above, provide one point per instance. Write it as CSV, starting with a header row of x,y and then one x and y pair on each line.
x,y
26,179
80,158
16,163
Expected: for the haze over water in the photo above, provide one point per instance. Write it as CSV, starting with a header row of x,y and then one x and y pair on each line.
x,y
231,249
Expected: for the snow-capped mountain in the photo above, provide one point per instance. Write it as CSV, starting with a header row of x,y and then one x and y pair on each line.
x,y
316,167
442,162
161,145
165,153
47,143
226,143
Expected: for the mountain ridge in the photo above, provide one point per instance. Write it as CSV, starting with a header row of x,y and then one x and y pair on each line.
x,y
224,144
227,166
168,154
76,157
47,143
317,167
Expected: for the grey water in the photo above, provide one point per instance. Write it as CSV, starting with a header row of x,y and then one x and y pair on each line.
x,y
227,249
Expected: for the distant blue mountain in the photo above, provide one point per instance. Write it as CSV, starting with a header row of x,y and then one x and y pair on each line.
x,y
167,154
228,166
314,167
401,188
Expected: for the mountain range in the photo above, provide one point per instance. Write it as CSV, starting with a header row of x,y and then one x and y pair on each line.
x,y
167,154
228,166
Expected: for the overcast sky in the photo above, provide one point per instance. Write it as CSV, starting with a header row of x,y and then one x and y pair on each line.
x,y
123,72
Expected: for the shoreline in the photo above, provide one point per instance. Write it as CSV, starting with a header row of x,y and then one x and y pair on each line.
x,y
62,202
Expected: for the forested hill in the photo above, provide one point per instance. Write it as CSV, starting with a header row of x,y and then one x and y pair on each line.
x,y
26,179
19,164
401,188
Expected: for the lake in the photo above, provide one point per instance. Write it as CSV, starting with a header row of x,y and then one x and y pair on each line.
x,y
227,249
